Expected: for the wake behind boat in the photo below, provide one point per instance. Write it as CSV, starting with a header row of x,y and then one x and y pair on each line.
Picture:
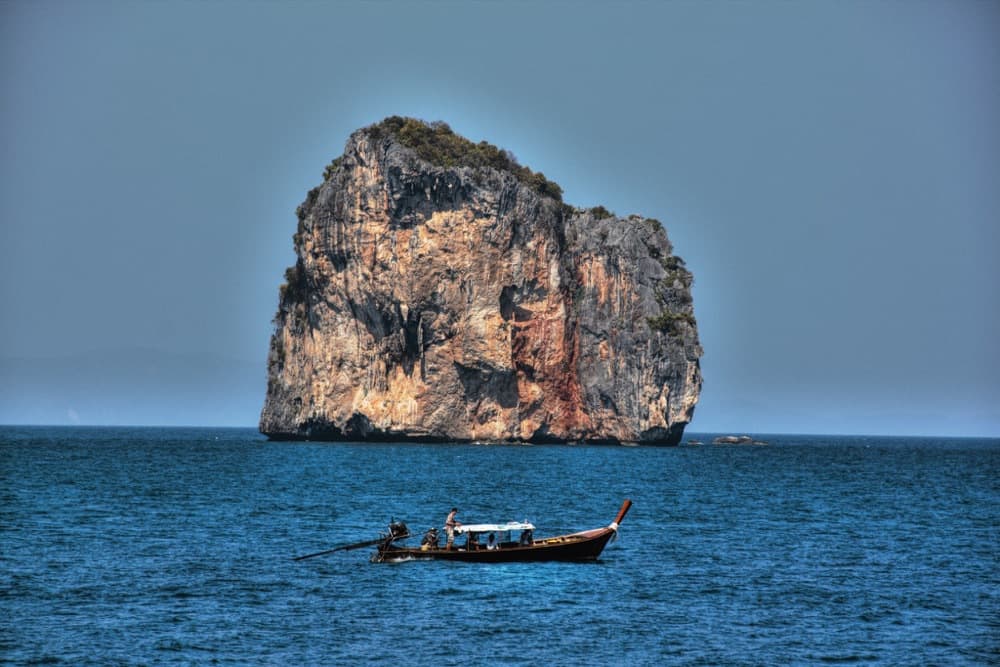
x,y
490,543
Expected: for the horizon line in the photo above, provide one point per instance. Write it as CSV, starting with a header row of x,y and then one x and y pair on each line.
x,y
686,434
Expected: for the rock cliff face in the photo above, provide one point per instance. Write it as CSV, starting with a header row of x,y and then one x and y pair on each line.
x,y
444,292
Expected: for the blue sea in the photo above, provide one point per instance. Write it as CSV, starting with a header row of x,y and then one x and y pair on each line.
x,y
143,546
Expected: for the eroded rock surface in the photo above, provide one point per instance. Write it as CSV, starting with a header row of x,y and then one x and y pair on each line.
x,y
469,303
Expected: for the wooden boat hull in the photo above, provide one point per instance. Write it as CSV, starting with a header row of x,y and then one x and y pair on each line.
x,y
584,546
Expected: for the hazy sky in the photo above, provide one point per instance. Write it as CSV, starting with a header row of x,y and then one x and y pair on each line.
x,y
829,170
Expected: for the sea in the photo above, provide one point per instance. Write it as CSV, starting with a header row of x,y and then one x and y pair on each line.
x,y
175,546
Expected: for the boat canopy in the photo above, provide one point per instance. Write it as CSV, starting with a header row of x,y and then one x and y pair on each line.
x,y
493,527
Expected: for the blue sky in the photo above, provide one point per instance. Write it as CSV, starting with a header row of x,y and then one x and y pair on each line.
x,y
830,172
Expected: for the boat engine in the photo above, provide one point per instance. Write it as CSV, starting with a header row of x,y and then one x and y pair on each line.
x,y
398,529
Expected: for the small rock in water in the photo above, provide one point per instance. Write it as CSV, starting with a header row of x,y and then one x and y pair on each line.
x,y
737,440
732,440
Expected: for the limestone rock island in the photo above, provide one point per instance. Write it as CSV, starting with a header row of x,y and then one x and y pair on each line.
x,y
443,291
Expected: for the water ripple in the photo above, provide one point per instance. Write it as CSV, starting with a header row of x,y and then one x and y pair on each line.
x,y
173,546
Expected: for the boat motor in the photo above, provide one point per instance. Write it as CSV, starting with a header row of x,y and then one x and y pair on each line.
x,y
397,530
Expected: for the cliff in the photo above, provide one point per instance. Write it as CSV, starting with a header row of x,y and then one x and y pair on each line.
x,y
445,292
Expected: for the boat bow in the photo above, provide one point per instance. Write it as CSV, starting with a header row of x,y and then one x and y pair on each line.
x,y
621,515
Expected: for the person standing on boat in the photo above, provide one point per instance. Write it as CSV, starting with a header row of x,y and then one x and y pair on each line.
x,y
449,526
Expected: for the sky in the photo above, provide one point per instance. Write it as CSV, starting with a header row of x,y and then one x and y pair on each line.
x,y
830,171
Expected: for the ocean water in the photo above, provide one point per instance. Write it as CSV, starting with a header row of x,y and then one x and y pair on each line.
x,y
173,546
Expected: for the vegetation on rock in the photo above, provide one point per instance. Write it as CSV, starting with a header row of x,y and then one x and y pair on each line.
x,y
293,290
601,213
438,144
669,322
332,167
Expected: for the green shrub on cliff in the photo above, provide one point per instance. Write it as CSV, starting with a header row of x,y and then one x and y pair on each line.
x,y
601,213
293,290
332,167
668,321
438,144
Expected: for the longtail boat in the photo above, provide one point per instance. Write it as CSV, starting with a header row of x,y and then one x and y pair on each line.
x,y
500,545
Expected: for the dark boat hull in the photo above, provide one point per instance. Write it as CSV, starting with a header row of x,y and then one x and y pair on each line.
x,y
585,546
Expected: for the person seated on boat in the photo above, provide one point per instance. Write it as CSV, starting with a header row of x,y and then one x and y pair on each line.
x,y
491,543
472,544
449,526
430,539
527,538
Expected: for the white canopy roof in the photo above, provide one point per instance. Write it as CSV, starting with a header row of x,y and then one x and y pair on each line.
x,y
493,527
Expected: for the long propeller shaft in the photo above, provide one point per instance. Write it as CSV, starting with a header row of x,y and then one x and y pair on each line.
x,y
346,547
